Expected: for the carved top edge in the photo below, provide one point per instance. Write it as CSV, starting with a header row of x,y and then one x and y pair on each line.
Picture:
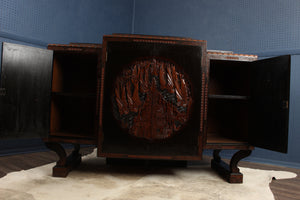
x,y
153,37
74,46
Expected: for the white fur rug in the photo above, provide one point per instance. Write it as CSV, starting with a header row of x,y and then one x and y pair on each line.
x,y
93,180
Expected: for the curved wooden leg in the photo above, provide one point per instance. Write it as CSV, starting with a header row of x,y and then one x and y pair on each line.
x,y
74,158
236,158
65,163
230,172
216,155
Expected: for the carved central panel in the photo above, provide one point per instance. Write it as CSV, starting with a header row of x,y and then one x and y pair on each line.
x,y
152,99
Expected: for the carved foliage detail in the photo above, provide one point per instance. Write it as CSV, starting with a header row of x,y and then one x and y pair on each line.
x,y
152,99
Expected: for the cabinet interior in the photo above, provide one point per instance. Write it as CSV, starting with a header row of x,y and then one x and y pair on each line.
x,y
73,97
228,102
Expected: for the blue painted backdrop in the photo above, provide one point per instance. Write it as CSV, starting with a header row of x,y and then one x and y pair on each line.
x,y
40,22
246,26
56,21
263,27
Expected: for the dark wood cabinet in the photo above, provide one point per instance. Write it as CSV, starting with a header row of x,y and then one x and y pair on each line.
x,y
152,98
248,102
73,114
146,97
248,105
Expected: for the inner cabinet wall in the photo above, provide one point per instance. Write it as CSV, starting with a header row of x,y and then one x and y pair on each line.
x,y
228,99
74,92
248,102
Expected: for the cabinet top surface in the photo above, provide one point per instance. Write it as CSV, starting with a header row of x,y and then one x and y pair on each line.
x,y
153,38
75,47
229,55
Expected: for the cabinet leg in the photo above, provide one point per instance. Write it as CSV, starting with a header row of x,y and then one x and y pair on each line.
x,y
231,172
65,163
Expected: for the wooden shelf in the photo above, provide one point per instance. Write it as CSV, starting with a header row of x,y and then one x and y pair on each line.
x,y
73,94
73,140
218,139
71,134
229,97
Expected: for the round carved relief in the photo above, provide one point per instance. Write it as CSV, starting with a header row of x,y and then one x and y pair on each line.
x,y
152,99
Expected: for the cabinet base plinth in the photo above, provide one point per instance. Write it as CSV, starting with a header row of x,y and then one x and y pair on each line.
x,y
145,162
59,171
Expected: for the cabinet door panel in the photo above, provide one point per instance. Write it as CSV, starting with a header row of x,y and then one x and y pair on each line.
x,y
270,103
25,82
153,97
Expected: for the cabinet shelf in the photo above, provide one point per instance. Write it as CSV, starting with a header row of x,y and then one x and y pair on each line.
x,y
69,137
86,135
218,139
73,94
229,97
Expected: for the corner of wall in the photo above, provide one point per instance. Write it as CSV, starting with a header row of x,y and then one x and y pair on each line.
x,y
133,17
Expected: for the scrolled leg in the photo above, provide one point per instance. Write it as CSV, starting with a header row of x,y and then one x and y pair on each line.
x,y
236,158
65,163
231,172
216,155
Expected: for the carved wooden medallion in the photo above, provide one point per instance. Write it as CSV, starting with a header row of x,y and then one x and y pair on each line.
x,y
152,99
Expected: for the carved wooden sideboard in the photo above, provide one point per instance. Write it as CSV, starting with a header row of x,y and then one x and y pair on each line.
x,y
162,98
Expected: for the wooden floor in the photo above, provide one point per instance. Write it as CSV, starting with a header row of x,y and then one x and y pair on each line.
x,y
288,189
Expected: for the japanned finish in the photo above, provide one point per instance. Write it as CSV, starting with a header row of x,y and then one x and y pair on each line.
x,y
152,100
25,91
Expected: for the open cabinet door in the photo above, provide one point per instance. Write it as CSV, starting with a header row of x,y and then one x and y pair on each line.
x,y
25,91
270,88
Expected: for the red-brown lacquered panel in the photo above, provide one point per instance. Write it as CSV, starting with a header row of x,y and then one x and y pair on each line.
x,y
152,99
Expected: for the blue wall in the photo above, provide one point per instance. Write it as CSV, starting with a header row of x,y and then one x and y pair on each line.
x,y
263,27
246,26
40,22
56,21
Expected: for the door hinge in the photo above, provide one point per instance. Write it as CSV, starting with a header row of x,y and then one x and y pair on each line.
x,y
2,91
285,104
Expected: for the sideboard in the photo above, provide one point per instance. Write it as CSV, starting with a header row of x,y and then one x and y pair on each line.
x,y
145,97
